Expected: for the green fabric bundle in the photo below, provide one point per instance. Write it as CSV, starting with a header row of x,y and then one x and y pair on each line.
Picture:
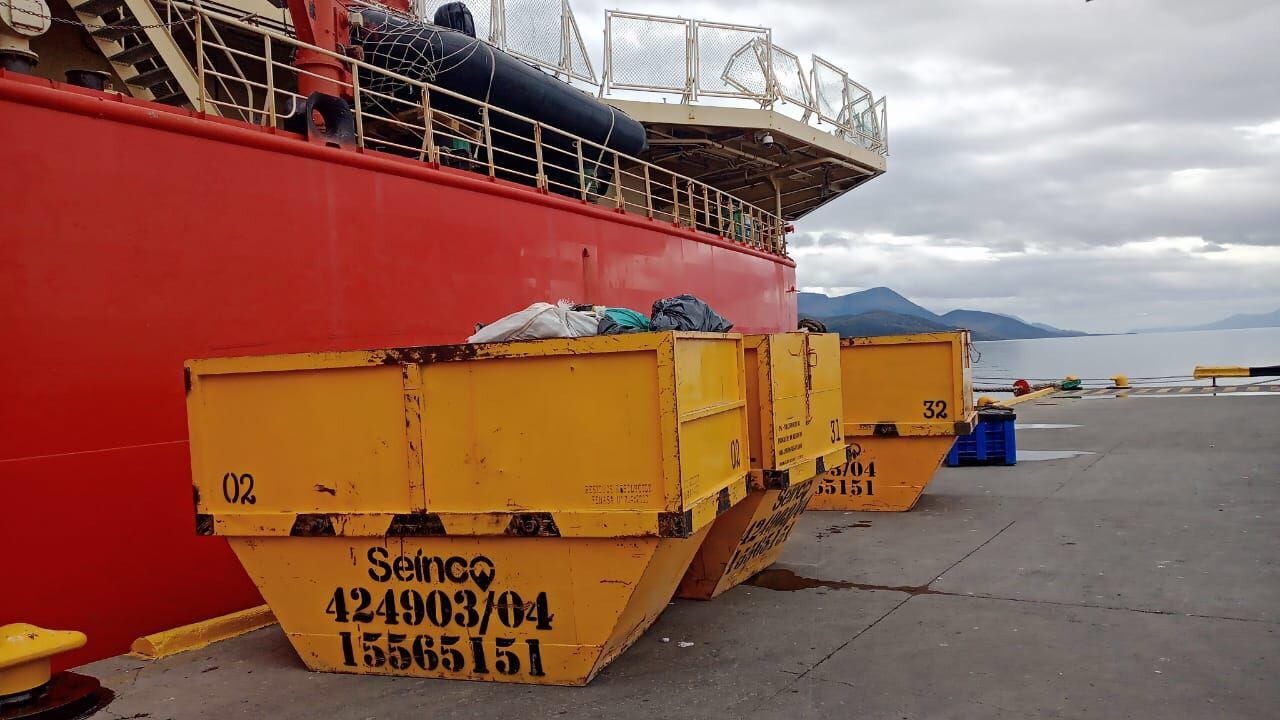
x,y
628,318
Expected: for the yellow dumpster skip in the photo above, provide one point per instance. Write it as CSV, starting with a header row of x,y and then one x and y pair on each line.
x,y
794,412
518,512
906,397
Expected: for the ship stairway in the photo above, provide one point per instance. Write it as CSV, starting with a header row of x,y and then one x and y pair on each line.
x,y
141,41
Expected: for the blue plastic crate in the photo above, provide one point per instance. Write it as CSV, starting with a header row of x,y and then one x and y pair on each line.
x,y
991,442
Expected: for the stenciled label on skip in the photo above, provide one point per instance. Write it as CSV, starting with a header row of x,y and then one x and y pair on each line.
x,y
855,477
769,532
439,613
789,441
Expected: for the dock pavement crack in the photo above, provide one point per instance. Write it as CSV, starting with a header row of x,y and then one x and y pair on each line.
x,y
1118,608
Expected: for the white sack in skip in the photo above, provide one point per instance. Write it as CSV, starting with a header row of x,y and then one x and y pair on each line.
x,y
538,321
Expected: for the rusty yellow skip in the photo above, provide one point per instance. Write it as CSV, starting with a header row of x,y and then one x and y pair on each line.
x,y
510,511
906,397
794,413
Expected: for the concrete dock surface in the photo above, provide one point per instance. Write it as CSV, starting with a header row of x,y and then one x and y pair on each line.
x,y
1139,581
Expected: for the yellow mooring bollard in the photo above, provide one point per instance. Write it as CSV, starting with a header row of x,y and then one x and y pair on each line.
x,y
25,652
519,512
906,397
794,414
28,686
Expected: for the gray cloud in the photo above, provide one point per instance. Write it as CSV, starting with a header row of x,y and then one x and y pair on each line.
x,y
1039,147
1212,247
1043,130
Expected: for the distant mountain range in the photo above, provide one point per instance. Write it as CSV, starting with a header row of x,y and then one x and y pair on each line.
x,y
881,311
1235,322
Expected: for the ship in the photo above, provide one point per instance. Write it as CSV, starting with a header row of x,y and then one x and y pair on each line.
x,y
196,179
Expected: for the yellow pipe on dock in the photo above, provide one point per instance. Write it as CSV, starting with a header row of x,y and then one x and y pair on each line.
x,y
201,634
1204,372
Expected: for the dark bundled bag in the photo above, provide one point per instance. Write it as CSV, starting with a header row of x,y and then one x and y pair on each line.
x,y
686,312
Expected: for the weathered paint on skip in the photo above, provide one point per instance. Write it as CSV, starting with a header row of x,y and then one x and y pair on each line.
x,y
465,440
906,397
745,540
882,473
794,411
463,511
531,610
793,391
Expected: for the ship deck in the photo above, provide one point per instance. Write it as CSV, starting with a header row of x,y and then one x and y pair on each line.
x,y
1142,580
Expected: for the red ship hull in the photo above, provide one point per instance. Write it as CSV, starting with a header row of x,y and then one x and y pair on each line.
x,y
135,236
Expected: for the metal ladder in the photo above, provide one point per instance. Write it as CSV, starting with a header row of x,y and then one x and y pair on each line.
x,y
144,54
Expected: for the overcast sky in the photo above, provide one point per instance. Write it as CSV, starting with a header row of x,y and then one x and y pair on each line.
x,y
1102,166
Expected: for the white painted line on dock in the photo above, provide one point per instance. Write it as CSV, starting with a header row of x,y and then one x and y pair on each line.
x,y
1219,394
1035,455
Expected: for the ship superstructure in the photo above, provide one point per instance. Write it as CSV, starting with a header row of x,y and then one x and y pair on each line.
x,y
723,104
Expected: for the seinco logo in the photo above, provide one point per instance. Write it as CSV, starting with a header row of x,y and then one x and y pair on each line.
x,y
427,569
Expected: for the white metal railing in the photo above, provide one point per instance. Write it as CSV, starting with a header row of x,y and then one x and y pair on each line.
x,y
180,25
791,81
732,60
410,118
543,32
664,43
695,58
691,57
